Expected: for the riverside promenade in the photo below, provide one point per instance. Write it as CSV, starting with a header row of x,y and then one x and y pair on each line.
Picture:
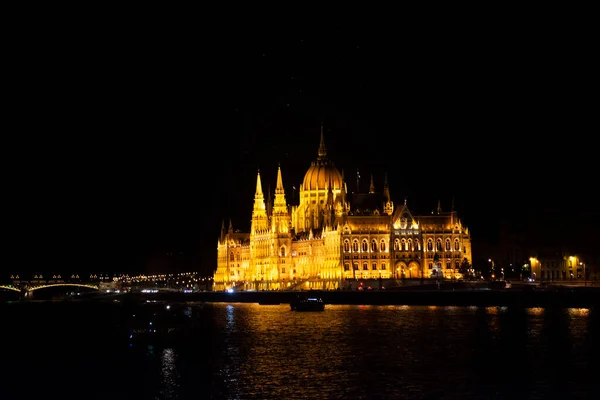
x,y
527,296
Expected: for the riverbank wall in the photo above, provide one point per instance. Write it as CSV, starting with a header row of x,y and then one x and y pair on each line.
x,y
567,298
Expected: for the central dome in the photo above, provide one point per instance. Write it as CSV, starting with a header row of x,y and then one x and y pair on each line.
x,y
322,174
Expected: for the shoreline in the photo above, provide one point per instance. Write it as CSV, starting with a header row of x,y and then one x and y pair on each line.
x,y
526,297
562,298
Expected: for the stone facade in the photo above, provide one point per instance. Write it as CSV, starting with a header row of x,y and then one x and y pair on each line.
x,y
332,238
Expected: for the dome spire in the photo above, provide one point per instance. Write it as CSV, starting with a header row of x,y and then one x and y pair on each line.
x,y
322,149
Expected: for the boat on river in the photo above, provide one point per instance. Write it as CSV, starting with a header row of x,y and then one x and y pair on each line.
x,y
307,303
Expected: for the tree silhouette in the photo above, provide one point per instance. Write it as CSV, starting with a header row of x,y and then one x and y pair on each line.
x,y
465,268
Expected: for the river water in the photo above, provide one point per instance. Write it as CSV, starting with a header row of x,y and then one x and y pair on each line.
x,y
64,350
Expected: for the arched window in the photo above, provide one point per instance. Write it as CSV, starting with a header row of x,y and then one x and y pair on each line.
x,y
382,246
282,250
365,245
373,245
383,266
231,256
374,267
411,247
403,245
456,245
438,245
396,244
346,245
355,245
447,244
429,245
365,266
417,245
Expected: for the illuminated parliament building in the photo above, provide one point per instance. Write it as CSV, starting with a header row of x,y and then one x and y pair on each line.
x,y
333,239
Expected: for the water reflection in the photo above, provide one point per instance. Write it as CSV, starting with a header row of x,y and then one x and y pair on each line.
x,y
169,375
399,351
248,351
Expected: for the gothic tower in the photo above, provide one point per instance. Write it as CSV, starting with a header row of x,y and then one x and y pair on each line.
x,y
321,181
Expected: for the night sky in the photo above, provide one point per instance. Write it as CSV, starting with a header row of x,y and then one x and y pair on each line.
x,y
132,146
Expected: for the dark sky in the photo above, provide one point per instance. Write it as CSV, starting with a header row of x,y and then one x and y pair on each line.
x,y
134,142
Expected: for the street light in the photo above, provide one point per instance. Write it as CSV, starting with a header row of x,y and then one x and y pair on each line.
x,y
584,277
534,266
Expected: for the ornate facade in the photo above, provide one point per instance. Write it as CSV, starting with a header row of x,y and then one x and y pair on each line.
x,y
333,238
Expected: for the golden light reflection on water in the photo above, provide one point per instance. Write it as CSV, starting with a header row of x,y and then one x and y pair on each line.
x,y
579,312
367,307
270,352
535,311
579,320
259,352
492,310
493,321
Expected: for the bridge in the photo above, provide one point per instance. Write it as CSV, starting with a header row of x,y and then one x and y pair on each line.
x,y
32,287
106,282
10,287
38,281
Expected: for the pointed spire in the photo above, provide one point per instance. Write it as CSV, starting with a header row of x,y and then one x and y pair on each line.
x,y
279,187
342,195
259,213
439,207
372,186
329,192
280,205
386,188
258,186
259,198
230,225
269,200
322,150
